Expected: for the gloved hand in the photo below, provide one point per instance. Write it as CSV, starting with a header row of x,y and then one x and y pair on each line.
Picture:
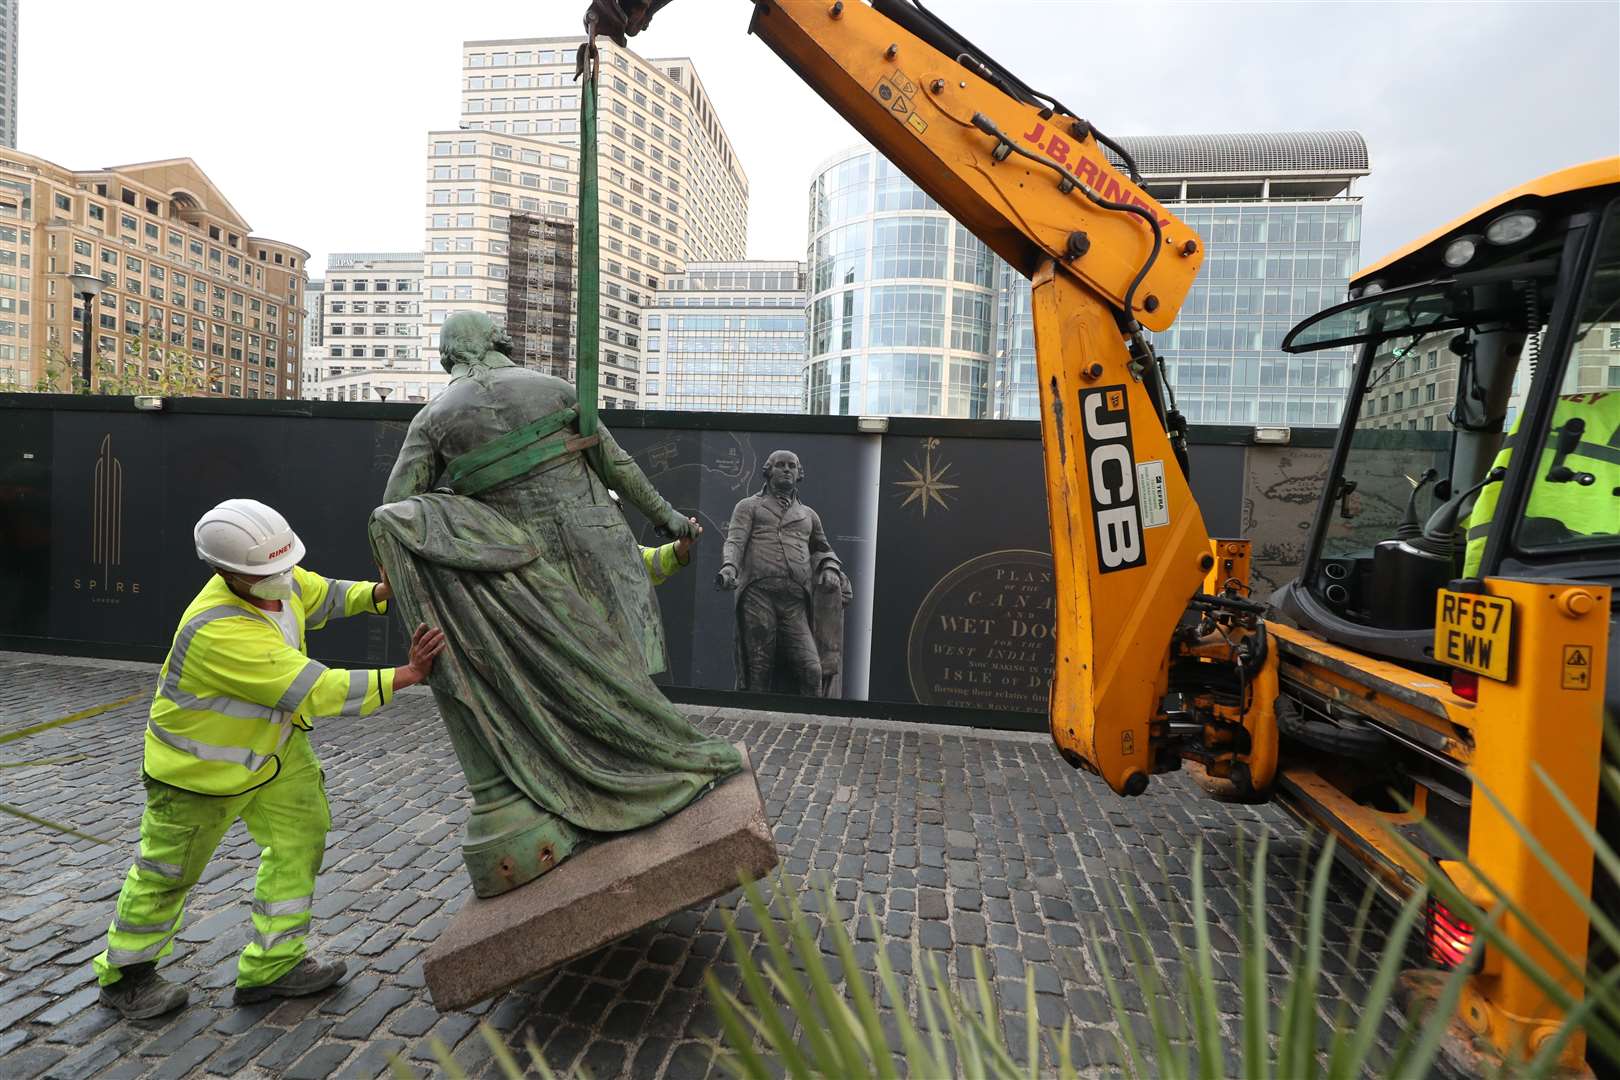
x,y
726,579
679,526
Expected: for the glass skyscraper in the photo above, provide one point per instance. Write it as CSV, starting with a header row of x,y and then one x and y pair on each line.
x,y
901,298
727,337
1281,227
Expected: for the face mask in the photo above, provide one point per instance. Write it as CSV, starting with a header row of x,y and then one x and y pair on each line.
x,y
275,587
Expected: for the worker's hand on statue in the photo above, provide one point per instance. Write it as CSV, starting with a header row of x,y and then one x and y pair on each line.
x,y
426,645
382,592
680,526
726,578
683,546
829,580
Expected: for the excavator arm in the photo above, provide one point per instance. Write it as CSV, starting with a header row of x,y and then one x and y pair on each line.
x,y
1138,645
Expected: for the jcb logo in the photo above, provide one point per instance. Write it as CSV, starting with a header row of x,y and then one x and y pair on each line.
x,y
1115,512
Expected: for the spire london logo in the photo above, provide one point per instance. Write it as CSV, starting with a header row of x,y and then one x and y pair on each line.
x,y
106,541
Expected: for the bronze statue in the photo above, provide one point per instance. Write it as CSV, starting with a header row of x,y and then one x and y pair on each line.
x,y
791,588
498,528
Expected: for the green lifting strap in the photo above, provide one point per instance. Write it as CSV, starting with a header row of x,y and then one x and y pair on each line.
x,y
588,307
470,473
520,461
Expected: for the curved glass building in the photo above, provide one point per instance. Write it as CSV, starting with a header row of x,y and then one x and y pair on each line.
x,y
911,315
901,298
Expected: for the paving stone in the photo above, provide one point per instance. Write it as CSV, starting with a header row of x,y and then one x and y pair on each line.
x,y
320,1062
185,1059
30,1061
234,1059
69,1006
293,1045
372,1061
14,1011
363,1020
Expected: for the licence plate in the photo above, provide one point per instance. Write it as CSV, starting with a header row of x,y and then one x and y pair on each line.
x,y
1474,632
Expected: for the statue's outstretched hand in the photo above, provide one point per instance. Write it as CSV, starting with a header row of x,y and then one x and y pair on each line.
x,y
727,578
680,526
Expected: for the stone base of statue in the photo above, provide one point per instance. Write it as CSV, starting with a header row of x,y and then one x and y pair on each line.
x,y
601,893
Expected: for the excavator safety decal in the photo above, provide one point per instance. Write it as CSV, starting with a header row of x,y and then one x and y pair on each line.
x,y
1116,513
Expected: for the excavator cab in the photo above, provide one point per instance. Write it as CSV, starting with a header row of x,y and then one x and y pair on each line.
x,y
1451,628
1463,340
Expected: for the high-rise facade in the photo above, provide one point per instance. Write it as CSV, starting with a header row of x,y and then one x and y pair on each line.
x,y
727,337
189,297
8,72
314,308
371,312
372,307
901,298
540,292
671,187
1281,226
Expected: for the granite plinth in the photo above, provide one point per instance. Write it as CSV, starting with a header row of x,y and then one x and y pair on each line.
x,y
602,893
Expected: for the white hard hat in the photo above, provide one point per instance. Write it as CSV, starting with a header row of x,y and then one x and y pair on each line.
x,y
247,536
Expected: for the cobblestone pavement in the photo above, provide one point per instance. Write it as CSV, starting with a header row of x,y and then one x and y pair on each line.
x,y
959,840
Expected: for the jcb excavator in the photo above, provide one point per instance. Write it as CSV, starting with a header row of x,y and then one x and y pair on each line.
x,y
1426,647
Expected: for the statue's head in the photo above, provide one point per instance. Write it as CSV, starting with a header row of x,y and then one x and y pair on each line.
x,y
467,337
782,471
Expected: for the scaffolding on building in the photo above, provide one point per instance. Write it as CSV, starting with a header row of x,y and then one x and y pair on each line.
x,y
540,292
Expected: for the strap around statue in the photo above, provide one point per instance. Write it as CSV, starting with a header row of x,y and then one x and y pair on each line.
x,y
517,453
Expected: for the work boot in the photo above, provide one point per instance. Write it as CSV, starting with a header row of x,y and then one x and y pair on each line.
x,y
311,976
142,993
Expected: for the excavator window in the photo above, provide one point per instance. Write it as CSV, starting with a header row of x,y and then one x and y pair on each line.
x,y
1573,508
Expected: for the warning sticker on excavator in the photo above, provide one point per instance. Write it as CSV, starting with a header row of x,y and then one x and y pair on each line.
x,y
1474,632
895,92
1155,495
1577,667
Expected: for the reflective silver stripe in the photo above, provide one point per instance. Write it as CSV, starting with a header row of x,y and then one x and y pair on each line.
x,y
272,909
164,928
301,685
126,957
323,611
270,941
228,706
161,869
235,755
358,681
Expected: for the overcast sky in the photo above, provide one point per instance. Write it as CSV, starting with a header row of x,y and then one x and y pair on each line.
x,y
311,116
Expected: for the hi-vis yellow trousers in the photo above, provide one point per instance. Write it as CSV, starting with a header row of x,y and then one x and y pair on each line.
x,y
288,818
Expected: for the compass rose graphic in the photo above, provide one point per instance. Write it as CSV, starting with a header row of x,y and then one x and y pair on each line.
x,y
928,482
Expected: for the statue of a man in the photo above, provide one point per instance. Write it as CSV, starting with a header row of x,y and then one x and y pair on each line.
x,y
790,586
498,527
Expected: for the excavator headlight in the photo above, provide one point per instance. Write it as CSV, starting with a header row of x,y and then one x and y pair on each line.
x,y
1512,227
1460,252
1372,288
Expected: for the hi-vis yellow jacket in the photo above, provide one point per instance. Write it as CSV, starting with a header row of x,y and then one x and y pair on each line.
x,y
661,562
1583,510
232,690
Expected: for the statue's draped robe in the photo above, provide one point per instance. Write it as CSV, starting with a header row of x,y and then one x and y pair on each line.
x,y
552,626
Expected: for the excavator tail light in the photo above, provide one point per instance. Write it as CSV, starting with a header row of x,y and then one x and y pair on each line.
x,y
1465,684
1450,939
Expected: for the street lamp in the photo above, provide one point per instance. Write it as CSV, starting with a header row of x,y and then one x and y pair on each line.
x,y
383,392
89,287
